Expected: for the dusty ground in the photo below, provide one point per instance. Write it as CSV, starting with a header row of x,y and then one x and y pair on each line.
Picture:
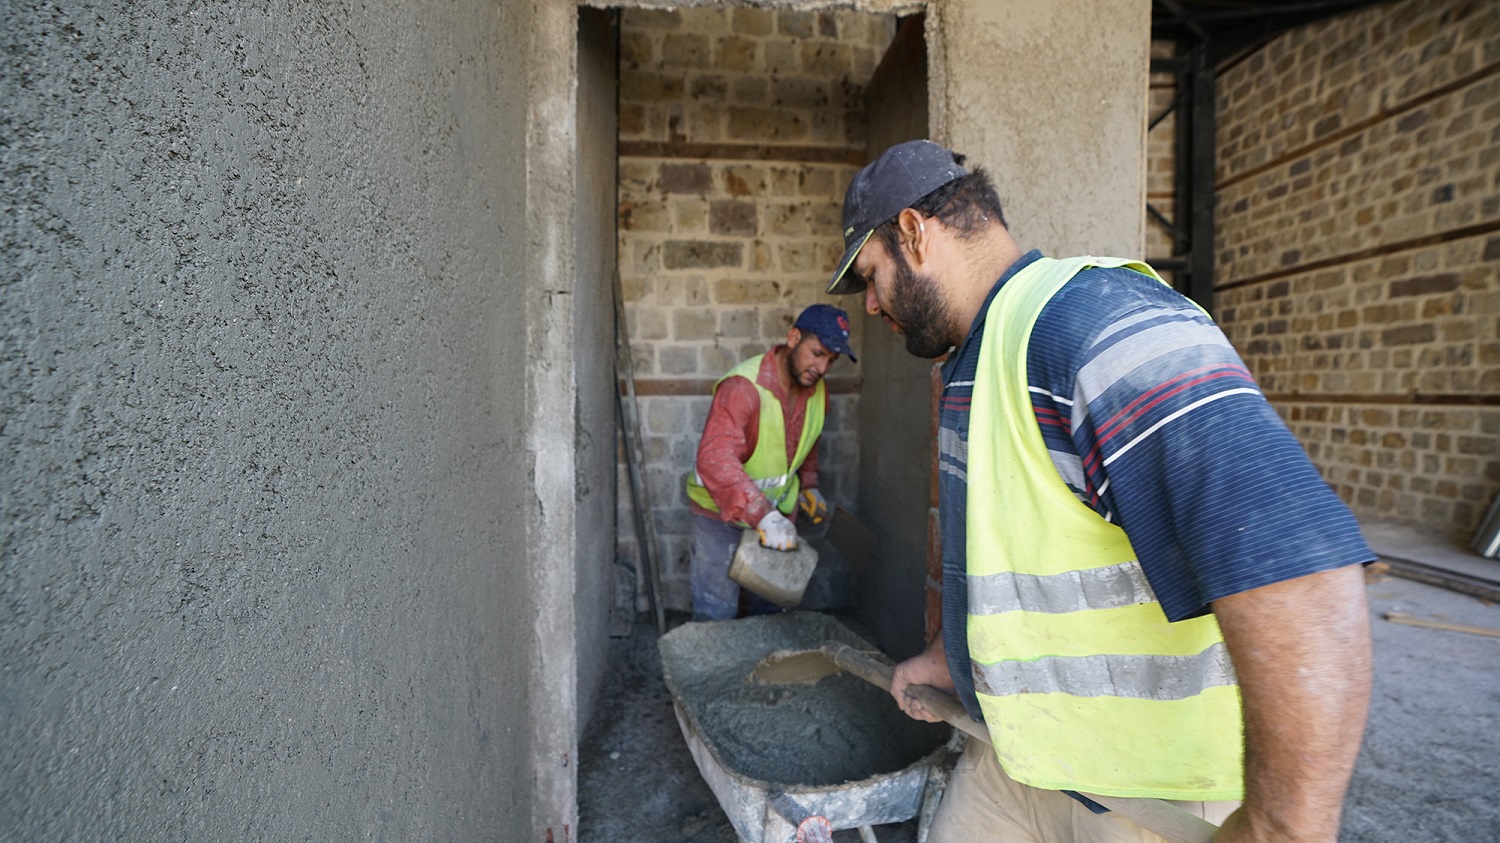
x,y
1429,770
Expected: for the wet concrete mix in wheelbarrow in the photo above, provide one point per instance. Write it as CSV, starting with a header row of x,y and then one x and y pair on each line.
x,y
842,729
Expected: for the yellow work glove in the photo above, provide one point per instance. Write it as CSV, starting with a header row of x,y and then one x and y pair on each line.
x,y
812,502
777,532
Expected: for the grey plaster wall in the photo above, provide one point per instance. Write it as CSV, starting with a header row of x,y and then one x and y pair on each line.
x,y
895,402
263,562
594,337
1051,99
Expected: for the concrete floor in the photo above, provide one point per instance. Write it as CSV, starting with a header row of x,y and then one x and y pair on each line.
x,y
1429,769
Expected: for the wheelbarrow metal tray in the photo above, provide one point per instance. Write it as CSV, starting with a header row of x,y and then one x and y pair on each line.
x,y
841,748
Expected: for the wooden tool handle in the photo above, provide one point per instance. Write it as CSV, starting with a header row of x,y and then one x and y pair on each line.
x,y
879,674
1161,818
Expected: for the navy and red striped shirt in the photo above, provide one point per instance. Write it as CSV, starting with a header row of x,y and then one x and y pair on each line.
x,y
1152,419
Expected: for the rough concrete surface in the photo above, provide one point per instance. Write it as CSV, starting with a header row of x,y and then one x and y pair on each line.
x,y
593,337
896,406
1430,766
262,371
1429,769
995,81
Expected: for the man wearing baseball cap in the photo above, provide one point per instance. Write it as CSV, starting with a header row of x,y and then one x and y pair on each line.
x,y
758,457
1148,589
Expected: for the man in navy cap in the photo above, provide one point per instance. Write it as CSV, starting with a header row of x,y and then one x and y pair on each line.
x,y
758,458
1148,590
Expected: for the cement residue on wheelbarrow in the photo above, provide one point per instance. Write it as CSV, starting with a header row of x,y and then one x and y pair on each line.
x,y
840,747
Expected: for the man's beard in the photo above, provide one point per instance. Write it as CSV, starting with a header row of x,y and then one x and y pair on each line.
x,y
918,308
790,365
791,368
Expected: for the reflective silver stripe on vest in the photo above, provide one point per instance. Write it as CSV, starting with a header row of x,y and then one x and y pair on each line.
x,y
1110,587
1132,677
953,454
769,483
764,485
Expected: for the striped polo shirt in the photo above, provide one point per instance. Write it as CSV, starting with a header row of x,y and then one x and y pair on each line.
x,y
1152,419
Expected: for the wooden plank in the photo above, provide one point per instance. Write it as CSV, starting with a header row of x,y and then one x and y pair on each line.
x,y
683,150
1451,580
705,386
1413,620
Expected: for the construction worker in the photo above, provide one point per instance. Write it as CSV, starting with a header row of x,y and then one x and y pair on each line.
x,y
758,458
1148,589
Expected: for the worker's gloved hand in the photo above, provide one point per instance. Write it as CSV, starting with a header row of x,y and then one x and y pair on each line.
x,y
812,502
777,532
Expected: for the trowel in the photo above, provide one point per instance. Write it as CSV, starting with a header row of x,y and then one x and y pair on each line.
x,y
806,667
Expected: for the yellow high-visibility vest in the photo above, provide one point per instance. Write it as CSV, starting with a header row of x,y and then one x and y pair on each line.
x,y
768,465
1083,682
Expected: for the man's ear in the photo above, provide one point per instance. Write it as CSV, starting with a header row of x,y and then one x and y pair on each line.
x,y
912,230
793,337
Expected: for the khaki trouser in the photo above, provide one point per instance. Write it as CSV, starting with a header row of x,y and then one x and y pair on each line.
x,y
983,804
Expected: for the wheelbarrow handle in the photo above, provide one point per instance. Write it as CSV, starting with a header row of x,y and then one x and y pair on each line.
x,y
811,828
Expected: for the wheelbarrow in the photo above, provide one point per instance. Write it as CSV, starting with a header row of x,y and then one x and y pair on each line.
x,y
778,757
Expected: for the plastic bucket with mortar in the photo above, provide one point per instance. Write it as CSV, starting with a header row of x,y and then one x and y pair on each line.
x,y
780,576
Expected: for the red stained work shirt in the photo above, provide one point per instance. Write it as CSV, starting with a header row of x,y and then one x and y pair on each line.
x,y
731,433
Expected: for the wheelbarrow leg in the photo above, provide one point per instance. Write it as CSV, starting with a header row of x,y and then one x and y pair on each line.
x,y
867,834
932,796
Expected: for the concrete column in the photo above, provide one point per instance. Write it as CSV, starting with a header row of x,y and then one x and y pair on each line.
x,y
551,126
1050,97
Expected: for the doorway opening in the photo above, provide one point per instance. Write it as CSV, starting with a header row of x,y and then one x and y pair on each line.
x,y
738,130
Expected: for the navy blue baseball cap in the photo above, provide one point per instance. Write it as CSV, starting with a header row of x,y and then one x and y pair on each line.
x,y
830,324
898,179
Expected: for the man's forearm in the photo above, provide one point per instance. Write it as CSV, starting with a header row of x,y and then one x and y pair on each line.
x,y
739,499
1301,649
729,436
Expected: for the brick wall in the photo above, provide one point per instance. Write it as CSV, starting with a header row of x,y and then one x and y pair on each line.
x,y
1358,244
740,128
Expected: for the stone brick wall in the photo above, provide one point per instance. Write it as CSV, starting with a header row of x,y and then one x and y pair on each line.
x,y
740,128
1358,244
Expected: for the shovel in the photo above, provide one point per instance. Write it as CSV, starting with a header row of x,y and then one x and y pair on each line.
x,y
805,667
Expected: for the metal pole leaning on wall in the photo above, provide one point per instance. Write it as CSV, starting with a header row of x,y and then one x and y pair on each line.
x,y
1204,155
630,422
1486,540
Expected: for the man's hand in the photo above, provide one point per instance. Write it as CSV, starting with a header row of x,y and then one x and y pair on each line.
x,y
928,668
812,502
777,532
1301,649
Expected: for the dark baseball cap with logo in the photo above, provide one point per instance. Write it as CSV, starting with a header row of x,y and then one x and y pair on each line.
x,y
898,179
830,324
